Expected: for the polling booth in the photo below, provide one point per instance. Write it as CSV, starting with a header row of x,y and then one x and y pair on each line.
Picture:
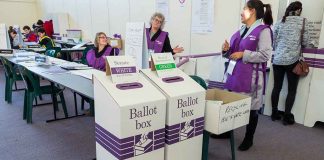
x,y
315,111
4,37
129,114
185,108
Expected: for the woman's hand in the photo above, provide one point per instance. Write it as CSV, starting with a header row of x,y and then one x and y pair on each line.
x,y
225,46
236,56
177,49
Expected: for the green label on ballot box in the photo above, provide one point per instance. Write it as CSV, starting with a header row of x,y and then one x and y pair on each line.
x,y
165,66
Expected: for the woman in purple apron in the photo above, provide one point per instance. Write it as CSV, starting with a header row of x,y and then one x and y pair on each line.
x,y
249,50
157,40
96,56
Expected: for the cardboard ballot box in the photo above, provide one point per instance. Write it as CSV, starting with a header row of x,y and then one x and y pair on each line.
x,y
185,113
226,111
130,119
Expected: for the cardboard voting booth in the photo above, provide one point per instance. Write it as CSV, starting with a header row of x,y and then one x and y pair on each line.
x,y
185,108
4,37
226,111
130,114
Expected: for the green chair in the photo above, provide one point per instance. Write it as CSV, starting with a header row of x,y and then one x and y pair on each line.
x,y
33,89
83,59
206,134
12,76
54,52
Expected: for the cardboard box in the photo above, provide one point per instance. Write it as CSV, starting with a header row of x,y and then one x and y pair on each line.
x,y
130,119
232,112
185,114
116,43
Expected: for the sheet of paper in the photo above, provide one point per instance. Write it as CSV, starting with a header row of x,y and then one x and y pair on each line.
x,y
162,6
135,43
202,16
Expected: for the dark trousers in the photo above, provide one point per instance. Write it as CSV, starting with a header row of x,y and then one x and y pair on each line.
x,y
279,73
251,127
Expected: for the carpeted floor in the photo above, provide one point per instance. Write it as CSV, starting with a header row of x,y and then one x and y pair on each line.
x,y
73,139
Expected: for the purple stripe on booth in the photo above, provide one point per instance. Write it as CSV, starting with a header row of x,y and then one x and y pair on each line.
x,y
310,50
320,51
316,66
314,59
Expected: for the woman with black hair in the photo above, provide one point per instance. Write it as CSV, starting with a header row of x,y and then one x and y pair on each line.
x,y
287,44
249,50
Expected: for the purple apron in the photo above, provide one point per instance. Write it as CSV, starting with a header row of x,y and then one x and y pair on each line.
x,y
241,78
98,63
156,45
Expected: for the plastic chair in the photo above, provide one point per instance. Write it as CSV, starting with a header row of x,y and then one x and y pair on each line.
x,y
206,134
12,76
83,59
33,89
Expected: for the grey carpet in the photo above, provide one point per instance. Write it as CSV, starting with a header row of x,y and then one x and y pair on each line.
x,y
73,139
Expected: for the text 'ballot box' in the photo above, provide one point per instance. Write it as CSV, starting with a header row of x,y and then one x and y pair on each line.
x,y
130,119
185,114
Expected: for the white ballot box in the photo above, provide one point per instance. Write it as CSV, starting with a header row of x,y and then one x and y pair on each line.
x,y
185,113
130,118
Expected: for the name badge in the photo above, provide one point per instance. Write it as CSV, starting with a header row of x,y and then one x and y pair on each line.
x,y
231,67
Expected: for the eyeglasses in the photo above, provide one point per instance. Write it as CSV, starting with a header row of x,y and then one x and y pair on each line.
x,y
157,20
103,37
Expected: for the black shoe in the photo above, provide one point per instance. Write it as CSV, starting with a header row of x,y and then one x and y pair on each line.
x,y
275,116
288,119
245,145
225,135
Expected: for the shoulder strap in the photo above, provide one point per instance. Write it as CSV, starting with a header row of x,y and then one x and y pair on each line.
x,y
302,37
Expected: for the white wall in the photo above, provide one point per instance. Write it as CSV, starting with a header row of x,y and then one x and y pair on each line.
x,y
111,17
21,12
